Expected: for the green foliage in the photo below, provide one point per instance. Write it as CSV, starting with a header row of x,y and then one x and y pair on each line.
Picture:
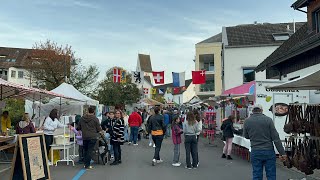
x,y
84,78
117,94
15,108
159,98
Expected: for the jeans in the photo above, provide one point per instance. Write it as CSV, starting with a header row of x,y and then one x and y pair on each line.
x,y
157,141
126,135
88,146
266,159
150,139
134,134
191,146
168,132
49,141
176,153
228,146
81,158
110,148
117,152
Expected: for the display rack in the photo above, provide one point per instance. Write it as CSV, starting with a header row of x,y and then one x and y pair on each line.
x,y
209,126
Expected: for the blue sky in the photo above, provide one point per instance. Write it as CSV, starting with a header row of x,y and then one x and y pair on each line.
x,y
113,32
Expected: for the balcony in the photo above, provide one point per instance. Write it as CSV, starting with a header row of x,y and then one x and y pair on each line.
x,y
207,87
206,62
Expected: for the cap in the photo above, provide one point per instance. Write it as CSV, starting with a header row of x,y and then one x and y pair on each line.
x,y
257,106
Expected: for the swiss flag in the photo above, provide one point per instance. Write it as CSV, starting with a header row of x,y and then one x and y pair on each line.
x,y
146,90
116,75
158,77
176,90
198,77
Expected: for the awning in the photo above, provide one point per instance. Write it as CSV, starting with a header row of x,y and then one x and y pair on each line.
x,y
13,90
308,82
151,102
245,89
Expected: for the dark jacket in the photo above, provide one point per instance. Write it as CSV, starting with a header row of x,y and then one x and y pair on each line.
x,y
262,133
118,132
228,129
90,127
156,122
107,124
26,129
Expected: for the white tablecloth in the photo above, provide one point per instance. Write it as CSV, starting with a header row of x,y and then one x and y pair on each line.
x,y
241,141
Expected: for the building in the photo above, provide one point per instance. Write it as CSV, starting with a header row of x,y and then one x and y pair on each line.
x,y
299,55
144,64
12,65
245,46
208,58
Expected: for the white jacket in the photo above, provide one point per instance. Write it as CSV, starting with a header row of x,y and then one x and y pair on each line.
x,y
199,127
50,126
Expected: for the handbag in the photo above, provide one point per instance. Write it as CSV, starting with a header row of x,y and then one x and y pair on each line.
x,y
288,126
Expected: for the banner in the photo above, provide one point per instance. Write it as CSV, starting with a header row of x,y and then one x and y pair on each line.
x,y
116,75
153,91
146,90
178,79
137,77
161,91
123,76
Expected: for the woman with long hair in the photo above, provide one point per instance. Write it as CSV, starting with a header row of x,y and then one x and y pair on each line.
x,y
51,123
190,130
228,130
117,138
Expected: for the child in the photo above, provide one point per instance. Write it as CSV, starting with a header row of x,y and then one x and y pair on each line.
x,y
176,138
79,138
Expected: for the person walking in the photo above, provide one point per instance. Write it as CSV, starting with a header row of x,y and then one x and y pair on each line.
x,y
126,126
90,127
166,118
157,129
190,130
117,138
262,133
51,123
135,122
176,138
228,130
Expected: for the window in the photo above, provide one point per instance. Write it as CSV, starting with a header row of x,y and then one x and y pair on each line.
x,y
13,74
5,73
20,74
209,85
248,75
316,20
206,62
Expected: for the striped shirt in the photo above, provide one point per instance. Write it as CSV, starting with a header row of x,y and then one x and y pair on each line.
x,y
118,131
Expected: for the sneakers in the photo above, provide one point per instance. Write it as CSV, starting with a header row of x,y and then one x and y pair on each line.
x,y
50,163
114,163
89,167
136,144
154,145
112,157
188,167
159,161
150,144
223,156
176,164
229,157
154,161
129,143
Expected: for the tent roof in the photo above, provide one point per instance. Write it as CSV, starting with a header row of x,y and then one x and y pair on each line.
x,y
13,90
70,91
151,102
308,82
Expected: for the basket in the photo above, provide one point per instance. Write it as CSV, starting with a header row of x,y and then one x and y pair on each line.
x,y
60,139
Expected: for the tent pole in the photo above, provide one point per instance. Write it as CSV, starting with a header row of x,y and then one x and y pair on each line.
x,y
39,108
60,107
1,93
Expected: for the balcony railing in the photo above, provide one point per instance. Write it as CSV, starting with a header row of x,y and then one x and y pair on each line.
x,y
207,87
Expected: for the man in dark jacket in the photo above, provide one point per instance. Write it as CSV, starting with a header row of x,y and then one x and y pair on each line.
x,y
262,133
157,129
90,127
135,122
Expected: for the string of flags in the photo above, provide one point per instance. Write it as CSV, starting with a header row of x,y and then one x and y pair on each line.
x,y
137,77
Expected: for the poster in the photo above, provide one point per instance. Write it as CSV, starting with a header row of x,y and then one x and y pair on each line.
x,y
35,158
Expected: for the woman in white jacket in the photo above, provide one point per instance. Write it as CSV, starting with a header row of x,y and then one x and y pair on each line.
x,y
51,123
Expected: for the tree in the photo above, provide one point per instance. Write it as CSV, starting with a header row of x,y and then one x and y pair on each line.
x,y
84,79
50,63
117,94
15,107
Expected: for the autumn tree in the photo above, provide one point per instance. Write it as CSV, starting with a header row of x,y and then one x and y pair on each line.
x,y
117,94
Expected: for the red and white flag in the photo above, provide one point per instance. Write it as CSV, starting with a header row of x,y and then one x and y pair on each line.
x,y
198,77
116,75
158,77
146,90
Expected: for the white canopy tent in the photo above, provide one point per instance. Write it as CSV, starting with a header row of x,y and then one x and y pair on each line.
x,y
66,106
308,82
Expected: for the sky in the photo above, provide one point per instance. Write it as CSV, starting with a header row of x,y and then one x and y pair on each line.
x,y
111,33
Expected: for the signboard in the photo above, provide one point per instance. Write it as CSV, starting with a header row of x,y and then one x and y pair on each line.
x,y
30,160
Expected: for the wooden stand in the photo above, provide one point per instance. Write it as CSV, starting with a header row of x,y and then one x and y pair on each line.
x,y
30,160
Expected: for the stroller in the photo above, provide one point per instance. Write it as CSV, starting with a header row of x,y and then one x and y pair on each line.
x,y
101,151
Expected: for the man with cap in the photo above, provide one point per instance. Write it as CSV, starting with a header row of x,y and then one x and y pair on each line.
x,y
262,133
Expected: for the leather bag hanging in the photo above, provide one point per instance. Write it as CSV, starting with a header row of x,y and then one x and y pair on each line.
x,y
288,126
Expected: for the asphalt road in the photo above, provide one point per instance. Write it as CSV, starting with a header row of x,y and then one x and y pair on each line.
x,y
137,166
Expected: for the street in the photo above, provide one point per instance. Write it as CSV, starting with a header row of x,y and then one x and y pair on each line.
x,y
137,166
